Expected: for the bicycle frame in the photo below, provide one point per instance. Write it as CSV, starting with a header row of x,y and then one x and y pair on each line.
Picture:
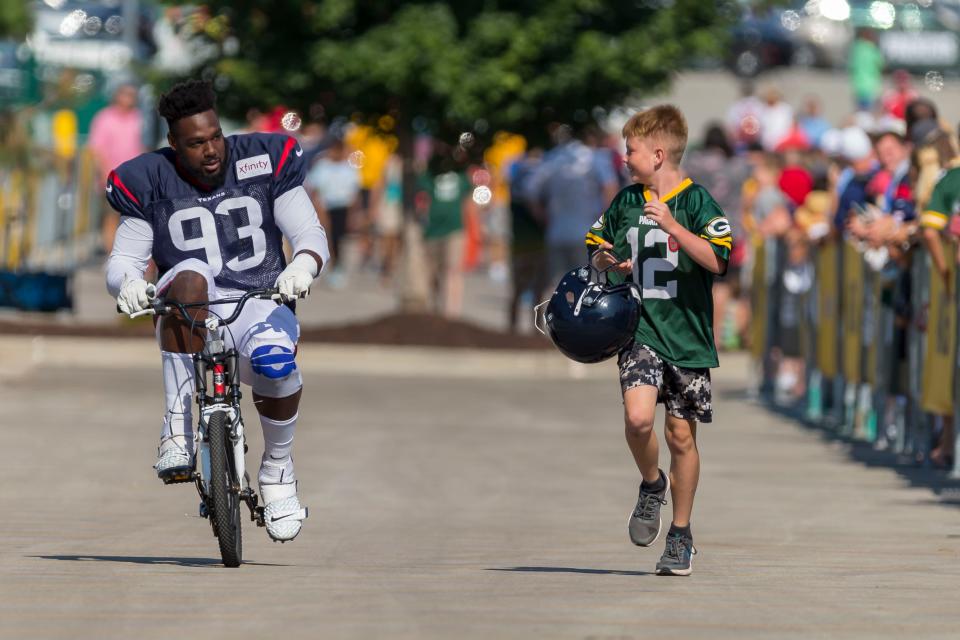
x,y
219,471
222,365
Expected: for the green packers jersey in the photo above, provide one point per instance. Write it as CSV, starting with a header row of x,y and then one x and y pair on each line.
x,y
944,202
676,320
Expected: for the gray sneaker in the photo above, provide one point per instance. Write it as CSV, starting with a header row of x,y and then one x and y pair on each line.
x,y
644,524
677,559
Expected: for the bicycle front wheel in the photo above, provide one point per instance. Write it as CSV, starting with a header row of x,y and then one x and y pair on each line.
x,y
225,501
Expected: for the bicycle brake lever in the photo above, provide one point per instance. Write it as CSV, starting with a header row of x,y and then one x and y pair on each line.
x,y
278,297
144,312
157,307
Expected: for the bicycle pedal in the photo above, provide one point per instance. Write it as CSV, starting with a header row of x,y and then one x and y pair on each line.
x,y
177,476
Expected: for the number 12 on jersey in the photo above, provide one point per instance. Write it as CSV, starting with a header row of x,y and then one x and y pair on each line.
x,y
653,265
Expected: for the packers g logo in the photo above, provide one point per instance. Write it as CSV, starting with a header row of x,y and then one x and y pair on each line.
x,y
718,228
598,225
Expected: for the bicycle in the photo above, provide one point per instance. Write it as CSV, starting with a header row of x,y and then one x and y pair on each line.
x,y
220,477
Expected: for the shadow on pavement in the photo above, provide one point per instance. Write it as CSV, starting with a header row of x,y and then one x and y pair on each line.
x,y
906,466
181,562
615,572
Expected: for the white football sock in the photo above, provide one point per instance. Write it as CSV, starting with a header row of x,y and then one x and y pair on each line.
x,y
277,464
178,387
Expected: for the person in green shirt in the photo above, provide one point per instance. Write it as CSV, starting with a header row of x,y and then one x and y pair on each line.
x,y
866,69
677,239
441,194
944,204
939,218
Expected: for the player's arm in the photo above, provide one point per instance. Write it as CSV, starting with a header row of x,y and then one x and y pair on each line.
x,y
132,248
293,210
133,242
710,249
599,241
298,221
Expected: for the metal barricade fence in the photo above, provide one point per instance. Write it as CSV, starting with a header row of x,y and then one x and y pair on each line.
x,y
50,217
851,343
936,388
879,341
916,339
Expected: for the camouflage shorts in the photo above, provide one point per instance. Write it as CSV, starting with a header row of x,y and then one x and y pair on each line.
x,y
685,393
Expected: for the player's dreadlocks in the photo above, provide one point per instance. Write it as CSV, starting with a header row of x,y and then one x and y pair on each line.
x,y
186,99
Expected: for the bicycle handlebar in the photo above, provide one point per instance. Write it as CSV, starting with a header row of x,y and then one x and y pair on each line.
x,y
160,306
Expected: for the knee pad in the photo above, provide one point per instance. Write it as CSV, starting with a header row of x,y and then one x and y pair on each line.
x,y
274,368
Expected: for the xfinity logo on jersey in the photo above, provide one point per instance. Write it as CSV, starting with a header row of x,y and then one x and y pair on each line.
x,y
255,166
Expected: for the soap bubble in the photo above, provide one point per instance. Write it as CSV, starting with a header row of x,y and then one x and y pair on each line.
x,y
933,80
291,121
357,159
482,195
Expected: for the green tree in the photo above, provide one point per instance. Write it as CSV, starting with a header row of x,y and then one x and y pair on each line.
x,y
512,65
454,66
15,18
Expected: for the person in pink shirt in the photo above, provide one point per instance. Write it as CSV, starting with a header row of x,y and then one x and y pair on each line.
x,y
116,135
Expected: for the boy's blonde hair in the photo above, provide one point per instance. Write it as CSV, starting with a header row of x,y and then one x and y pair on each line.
x,y
663,123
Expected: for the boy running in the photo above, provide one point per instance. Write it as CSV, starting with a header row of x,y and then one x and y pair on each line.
x,y
677,238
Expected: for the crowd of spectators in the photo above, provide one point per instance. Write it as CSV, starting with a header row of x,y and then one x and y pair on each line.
x,y
878,180
782,172
788,179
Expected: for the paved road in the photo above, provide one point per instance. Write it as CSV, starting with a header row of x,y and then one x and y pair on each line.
x,y
452,495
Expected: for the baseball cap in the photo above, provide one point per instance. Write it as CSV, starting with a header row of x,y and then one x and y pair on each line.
x,y
889,124
855,144
831,141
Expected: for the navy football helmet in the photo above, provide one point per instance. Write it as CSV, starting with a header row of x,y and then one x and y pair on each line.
x,y
590,321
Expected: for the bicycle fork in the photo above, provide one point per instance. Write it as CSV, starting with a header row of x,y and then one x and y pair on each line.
x,y
226,398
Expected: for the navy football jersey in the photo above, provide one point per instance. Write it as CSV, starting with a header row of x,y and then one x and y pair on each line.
x,y
231,227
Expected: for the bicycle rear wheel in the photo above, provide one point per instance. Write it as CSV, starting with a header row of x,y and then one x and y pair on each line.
x,y
225,502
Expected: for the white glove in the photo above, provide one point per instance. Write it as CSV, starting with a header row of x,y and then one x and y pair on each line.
x,y
135,295
297,277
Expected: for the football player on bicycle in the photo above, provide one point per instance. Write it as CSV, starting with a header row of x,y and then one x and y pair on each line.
x,y
212,212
